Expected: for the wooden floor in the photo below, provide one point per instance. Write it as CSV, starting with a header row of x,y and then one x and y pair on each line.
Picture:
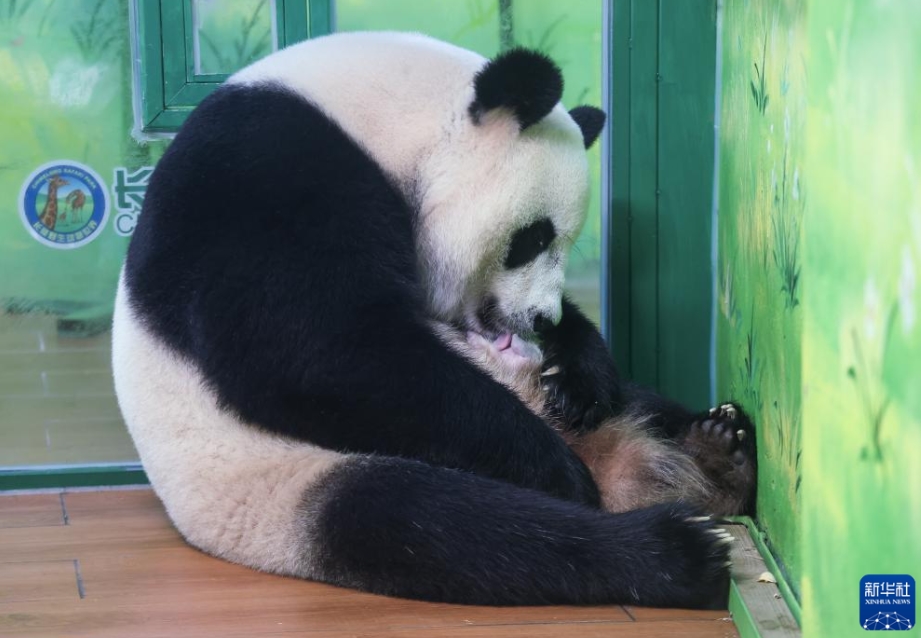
x,y
109,564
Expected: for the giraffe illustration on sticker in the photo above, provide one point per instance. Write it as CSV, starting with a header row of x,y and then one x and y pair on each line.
x,y
64,204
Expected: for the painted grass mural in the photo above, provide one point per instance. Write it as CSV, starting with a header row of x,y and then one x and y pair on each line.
x,y
66,95
762,202
862,330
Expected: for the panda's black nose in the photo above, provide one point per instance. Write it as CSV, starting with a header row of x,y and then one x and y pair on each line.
x,y
542,323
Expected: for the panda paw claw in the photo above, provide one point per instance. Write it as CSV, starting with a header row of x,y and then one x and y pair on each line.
x,y
727,411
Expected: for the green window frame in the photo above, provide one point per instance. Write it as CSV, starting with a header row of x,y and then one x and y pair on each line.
x,y
168,85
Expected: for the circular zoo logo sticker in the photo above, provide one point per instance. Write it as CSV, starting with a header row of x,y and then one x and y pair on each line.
x,y
64,204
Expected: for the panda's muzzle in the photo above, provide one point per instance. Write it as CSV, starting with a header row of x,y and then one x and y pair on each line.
x,y
493,322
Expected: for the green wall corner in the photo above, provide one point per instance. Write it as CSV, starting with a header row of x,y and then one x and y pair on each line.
x,y
761,203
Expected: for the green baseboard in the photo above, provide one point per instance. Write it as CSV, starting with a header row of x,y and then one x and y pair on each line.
x,y
786,590
79,476
760,609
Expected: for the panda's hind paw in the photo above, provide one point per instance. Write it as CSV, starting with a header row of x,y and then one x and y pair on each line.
x,y
721,442
714,435
725,428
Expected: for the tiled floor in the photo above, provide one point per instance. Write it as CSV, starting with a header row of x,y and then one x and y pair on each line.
x,y
109,563
57,404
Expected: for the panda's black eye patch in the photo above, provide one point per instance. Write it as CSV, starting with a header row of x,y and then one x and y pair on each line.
x,y
528,242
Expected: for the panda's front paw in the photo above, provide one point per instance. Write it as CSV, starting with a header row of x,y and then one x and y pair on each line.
x,y
580,393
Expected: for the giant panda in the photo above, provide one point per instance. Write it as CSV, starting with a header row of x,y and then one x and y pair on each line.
x,y
275,357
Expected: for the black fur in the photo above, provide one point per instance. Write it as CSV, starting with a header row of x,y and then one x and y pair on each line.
x,y
590,120
529,242
524,81
583,386
729,462
455,537
273,252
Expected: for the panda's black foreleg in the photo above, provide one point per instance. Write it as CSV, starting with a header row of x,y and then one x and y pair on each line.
x,y
583,389
579,377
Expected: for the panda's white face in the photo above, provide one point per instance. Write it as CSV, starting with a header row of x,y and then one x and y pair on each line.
x,y
501,210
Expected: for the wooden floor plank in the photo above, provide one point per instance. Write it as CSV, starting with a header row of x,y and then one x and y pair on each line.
x,y
38,581
651,614
100,620
122,505
31,510
696,629
140,579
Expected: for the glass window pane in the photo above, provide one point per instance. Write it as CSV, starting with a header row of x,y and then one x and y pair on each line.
x,y
58,406
229,35
66,121
473,24
570,33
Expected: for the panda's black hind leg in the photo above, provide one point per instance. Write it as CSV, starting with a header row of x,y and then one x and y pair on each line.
x,y
722,444
403,528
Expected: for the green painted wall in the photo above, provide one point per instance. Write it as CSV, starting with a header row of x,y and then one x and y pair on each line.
x,y
818,284
762,196
861,325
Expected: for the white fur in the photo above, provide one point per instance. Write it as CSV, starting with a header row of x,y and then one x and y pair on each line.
x,y
404,97
230,489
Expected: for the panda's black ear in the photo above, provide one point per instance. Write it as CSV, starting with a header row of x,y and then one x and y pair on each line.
x,y
590,120
526,82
